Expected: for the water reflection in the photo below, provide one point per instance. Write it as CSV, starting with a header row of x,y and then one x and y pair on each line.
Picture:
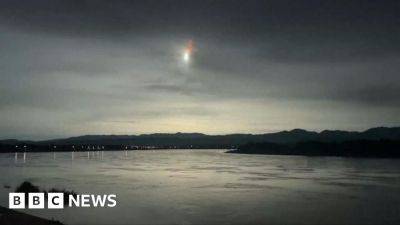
x,y
17,159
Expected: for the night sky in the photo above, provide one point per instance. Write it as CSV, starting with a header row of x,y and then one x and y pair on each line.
x,y
69,68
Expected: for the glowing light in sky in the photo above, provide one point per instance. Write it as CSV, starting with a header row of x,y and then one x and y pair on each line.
x,y
187,53
186,56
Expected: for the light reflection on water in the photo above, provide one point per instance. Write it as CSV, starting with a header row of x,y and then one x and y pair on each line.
x,y
210,186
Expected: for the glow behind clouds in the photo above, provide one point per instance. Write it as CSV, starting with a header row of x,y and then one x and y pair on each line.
x,y
188,51
186,56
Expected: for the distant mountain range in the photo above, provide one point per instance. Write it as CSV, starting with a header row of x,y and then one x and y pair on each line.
x,y
198,140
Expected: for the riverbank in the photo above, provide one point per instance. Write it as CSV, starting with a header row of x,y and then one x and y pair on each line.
x,y
12,217
356,148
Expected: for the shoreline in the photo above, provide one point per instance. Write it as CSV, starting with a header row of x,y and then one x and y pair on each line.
x,y
333,156
13,217
226,150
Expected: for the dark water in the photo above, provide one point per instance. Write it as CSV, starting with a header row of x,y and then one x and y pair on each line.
x,y
209,186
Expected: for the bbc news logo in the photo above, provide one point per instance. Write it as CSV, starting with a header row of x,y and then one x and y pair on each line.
x,y
56,200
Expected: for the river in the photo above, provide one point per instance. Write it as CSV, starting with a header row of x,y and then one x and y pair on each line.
x,y
212,187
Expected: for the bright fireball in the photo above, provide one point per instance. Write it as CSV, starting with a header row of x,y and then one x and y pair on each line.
x,y
187,52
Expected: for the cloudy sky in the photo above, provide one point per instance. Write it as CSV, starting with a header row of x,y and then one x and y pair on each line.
x,y
116,67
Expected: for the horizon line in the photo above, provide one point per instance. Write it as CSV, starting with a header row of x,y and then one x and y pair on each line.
x,y
225,134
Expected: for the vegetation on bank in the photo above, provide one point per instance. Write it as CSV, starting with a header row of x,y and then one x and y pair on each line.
x,y
28,187
13,217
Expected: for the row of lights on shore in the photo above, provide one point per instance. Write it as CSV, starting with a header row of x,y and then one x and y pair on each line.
x,y
102,147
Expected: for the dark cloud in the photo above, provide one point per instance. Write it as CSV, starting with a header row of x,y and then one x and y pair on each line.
x,y
282,31
283,19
